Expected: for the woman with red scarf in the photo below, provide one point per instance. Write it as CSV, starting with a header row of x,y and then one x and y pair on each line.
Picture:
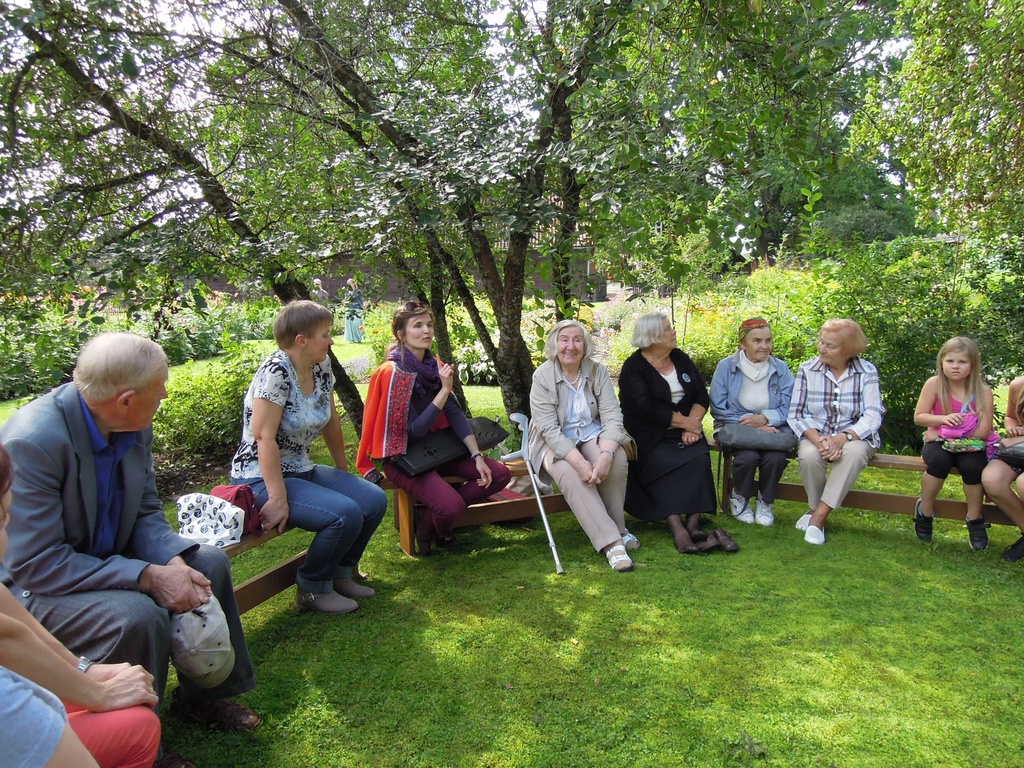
x,y
410,396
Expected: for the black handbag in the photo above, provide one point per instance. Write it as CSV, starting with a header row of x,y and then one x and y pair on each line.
x,y
440,447
1011,454
734,437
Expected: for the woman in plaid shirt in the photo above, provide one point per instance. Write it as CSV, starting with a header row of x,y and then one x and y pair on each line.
x,y
837,410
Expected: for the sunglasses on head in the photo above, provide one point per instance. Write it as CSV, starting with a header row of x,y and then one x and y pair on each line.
x,y
412,306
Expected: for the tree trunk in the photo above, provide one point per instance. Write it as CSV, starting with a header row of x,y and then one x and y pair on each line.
x,y
512,359
442,335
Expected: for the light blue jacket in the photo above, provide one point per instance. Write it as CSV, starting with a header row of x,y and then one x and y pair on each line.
x,y
725,392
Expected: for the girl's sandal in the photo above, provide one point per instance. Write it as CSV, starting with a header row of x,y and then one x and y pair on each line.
x,y
618,559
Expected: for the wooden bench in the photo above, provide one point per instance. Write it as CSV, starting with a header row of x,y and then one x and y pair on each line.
x,y
281,576
875,501
494,510
270,582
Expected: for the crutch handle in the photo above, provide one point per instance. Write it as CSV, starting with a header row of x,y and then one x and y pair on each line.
x,y
524,448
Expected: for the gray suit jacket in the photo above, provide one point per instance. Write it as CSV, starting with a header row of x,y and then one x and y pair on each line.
x,y
53,514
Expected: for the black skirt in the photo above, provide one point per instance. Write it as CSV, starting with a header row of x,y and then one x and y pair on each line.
x,y
672,479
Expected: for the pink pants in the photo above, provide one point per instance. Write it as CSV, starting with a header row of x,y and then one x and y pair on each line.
x,y
126,738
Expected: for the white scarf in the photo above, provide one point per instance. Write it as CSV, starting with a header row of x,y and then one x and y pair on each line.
x,y
754,371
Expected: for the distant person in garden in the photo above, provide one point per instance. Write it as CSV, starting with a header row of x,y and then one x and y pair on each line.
x,y
91,554
664,401
318,293
1000,476
53,711
956,407
410,395
353,313
837,412
288,404
577,437
753,388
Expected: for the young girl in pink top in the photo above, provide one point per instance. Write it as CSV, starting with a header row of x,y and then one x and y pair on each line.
x,y
955,406
1000,475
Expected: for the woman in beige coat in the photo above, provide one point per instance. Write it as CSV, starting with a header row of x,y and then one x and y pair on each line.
x,y
577,436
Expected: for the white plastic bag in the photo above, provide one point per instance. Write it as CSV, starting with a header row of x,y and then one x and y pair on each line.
x,y
208,520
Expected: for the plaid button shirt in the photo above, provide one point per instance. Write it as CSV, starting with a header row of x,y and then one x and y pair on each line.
x,y
830,405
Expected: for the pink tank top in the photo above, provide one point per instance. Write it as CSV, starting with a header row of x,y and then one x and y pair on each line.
x,y
955,406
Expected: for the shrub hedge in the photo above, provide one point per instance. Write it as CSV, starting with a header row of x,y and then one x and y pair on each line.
x,y
39,341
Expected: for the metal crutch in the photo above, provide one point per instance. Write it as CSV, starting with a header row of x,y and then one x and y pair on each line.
x,y
524,454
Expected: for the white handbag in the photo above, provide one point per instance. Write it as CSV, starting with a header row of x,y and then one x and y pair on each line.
x,y
206,519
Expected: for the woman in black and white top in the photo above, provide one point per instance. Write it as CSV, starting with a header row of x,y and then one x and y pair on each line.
x,y
289,403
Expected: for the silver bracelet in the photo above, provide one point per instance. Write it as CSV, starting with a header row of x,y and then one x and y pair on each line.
x,y
83,664
610,453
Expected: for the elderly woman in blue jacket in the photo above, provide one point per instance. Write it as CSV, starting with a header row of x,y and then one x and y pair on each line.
x,y
753,388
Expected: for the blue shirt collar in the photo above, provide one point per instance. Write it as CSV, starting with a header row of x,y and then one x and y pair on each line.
x,y
119,442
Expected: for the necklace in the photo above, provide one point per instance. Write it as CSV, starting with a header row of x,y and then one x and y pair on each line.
x,y
658,363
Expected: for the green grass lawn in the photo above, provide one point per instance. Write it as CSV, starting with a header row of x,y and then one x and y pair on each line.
x,y
874,650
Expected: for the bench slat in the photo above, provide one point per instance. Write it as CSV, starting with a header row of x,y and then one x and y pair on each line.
x,y
501,511
282,576
249,541
271,582
874,501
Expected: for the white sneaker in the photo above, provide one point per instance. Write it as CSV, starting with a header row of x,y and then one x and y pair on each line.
x,y
803,522
740,509
814,535
763,514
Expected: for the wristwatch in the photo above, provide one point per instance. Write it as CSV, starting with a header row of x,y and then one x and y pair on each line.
x,y
849,436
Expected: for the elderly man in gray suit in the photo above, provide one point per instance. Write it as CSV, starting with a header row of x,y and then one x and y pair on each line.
x,y
91,554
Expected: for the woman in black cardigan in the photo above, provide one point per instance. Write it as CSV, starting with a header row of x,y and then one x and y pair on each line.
x,y
663,401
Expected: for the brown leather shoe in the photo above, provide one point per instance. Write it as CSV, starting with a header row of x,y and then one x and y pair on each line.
x,y
220,713
172,760
710,544
726,540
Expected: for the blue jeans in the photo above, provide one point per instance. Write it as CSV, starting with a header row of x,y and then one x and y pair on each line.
x,y
342,509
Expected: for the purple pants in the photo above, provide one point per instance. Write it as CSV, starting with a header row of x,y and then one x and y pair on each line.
x,y
447,503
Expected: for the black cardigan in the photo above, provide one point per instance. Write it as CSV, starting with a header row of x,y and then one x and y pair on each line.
x,y
645,397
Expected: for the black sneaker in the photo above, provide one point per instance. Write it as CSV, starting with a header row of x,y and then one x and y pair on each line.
x,y
977,533
1015,551
923,524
